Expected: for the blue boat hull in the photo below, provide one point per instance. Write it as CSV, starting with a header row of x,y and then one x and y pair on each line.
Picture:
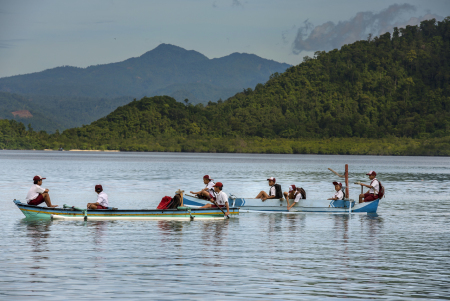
x,y
280,205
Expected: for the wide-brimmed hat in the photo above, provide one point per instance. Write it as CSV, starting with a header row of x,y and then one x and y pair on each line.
x,y
37,178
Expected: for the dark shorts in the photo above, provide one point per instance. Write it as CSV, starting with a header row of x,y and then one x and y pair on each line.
x,y
369,197
211,196
101,207
37,201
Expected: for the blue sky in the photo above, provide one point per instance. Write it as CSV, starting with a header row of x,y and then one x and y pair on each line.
x,y
38,35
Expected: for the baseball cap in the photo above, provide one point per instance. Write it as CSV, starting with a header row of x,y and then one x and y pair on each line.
x,y
98,187
337,183
207,177
271,179
292,187
37,178
218,184
371,173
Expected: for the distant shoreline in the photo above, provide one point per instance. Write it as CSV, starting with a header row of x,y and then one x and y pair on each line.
x,y
82,150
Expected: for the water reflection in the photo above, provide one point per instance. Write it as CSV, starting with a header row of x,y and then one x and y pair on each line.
x,y
38,231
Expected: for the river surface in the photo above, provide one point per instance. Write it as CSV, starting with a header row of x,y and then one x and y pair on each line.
x,y
400,253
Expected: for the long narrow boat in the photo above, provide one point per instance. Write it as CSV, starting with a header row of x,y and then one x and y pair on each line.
x,y
280,205
73,213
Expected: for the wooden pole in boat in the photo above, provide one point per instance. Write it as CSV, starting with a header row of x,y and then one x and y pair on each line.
x,y
346,182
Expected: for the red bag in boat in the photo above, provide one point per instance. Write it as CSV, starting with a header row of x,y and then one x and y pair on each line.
x,y
165,202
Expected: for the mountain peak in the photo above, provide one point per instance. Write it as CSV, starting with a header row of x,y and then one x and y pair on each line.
x,y
163,51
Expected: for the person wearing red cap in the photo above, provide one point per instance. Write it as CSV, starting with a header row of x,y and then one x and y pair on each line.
x,y
374,188
37,195
291,193
102,199
272,191
208,191
294,194
221,198
339,194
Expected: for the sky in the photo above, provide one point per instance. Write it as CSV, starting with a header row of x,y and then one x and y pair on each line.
x,y
38,35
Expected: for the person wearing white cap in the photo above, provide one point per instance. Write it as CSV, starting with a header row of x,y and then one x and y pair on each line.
x,y
291,193
37,195
339,194
274,191
374,188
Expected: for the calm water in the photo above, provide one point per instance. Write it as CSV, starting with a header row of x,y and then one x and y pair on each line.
x,y
401,253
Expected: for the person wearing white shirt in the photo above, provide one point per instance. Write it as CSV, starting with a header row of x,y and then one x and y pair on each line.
x,y
102,199
374,188
37,195
297,196
221,199
272,191
339,194
207,192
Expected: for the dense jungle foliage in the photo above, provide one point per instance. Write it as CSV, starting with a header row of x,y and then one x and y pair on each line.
x,y
387,95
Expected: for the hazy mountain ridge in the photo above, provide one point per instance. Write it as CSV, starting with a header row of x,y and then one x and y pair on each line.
x,y
162,68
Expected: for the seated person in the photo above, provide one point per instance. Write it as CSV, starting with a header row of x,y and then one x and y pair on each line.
x,y
37,195
102,199
208,191
372,193
221,199
291,193
272,191
339,194
297,196
177,200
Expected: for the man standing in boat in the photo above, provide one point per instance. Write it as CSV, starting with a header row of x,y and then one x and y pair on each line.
x,y
37,195
208,191
221,198
374,188
102,199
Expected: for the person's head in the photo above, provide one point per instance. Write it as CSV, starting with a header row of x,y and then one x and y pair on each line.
x,y
272,181
337,185
218,187
98,188
38,180
371,174
206,179
292,188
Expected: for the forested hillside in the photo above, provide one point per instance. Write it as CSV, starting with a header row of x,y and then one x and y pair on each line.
x,y
167,69
386,95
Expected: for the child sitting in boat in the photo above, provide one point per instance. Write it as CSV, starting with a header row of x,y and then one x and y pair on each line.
x,y
295,194
339,194
208,191
37,195
102,199
221,199
275,191
374,188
